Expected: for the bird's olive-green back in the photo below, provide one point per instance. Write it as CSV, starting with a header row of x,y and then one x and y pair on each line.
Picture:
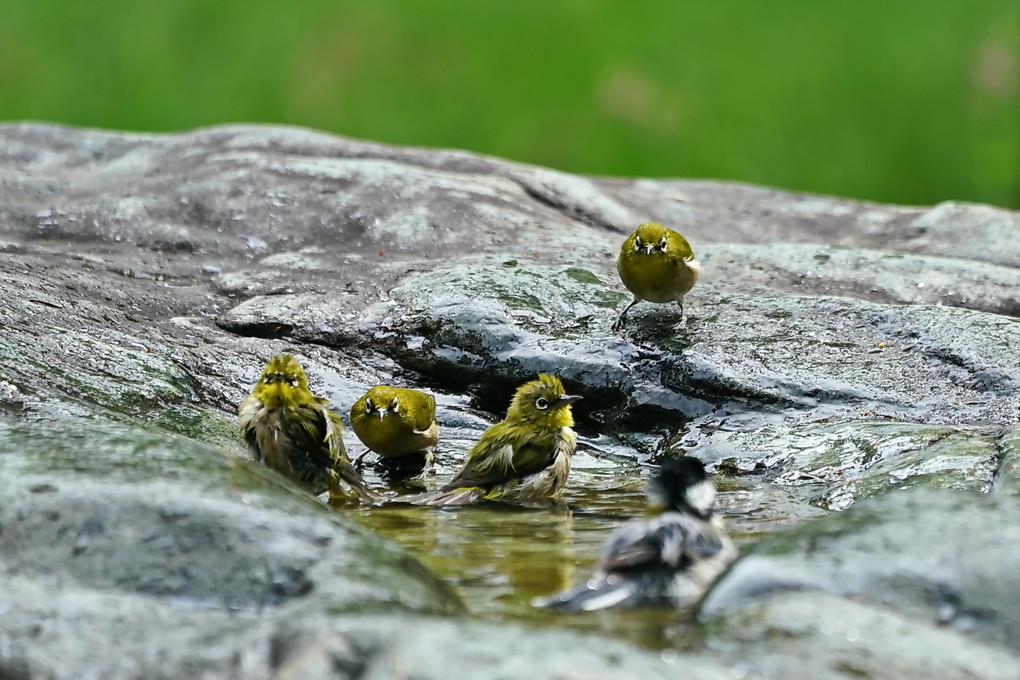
x,y
299,437
293,431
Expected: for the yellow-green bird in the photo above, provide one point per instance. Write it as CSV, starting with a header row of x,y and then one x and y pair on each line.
x,y
293,432
395,422
525,458
656,264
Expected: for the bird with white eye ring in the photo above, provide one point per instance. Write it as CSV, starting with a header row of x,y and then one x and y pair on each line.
x,y
395,422
525,458
657,265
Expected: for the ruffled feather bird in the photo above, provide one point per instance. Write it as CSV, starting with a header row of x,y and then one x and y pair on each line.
x,y
294,432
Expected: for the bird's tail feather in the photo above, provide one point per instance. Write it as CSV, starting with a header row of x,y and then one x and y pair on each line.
x,y
461,496
589,596
354,480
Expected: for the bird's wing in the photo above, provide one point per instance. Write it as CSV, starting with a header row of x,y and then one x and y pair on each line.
x,y
333,437
425,416
336,451
671,539
499,457
247,411
680,248
314,435
491,466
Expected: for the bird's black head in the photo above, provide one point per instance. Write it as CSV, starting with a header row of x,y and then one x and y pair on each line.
x,y
683,485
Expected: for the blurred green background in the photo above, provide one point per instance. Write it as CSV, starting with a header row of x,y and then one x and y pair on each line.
x,y
908,101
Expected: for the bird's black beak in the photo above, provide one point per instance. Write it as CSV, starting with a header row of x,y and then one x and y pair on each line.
x,y
567,399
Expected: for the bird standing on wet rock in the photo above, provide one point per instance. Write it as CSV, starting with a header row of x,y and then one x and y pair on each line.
x,y
395,422
293,432
669,558
523,459
656,264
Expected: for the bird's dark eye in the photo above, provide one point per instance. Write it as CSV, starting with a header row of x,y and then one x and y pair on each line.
x,y
393,405
638,245
369,406
268,379
662,244
541,403
293,382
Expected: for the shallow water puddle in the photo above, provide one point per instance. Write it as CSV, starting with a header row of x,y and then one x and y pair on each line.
x,y
498,558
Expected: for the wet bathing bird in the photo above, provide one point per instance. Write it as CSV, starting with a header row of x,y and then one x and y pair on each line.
x,y
523,459
656,264
293,432
395,422
668,558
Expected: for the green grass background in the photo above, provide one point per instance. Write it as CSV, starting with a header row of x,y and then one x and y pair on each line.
x,y
909,101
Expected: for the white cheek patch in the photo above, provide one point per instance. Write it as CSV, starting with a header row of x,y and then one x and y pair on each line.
x,y
701,496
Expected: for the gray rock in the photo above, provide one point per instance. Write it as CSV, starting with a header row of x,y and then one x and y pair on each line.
x,y
424,651
835,466
147,278
824,636
877,275
110,532
943,558
824,353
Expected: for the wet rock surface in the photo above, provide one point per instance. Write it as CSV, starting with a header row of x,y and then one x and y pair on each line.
x,y
831,637
939,557
835,352
110,532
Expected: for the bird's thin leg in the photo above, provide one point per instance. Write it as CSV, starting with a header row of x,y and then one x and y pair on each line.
x,y
683,313
619,322
361,458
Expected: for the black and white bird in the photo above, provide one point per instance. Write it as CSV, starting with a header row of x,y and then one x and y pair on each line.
x,y
668,558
